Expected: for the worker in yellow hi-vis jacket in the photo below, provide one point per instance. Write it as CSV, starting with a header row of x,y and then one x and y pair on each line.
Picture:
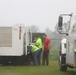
x,y
38,43
35,51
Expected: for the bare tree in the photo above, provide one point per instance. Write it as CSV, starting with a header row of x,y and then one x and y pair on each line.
x,y
48,31
34,28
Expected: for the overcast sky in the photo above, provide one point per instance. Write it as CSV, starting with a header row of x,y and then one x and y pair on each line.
x,y
34,12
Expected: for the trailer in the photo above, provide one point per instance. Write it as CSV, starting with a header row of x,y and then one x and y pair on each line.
x,y
67,26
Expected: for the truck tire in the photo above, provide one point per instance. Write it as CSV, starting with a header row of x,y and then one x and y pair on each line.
x,y
63,66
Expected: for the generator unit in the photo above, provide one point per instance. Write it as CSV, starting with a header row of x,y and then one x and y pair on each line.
x,y
13,44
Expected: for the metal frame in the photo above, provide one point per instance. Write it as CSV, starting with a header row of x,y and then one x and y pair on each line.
x,y
69,23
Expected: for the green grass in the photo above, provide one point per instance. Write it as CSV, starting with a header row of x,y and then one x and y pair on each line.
x,y
54,54
52,69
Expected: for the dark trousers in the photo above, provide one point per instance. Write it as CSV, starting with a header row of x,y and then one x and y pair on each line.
x,y
39,56
45,58
35,55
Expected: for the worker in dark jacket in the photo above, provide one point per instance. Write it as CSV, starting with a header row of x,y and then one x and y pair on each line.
x,y
35,51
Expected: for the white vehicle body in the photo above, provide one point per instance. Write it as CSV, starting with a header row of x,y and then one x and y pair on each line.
x,y
13,44
63,45
70,41
11,41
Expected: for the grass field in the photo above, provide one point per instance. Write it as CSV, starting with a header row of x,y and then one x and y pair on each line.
x,y
52,69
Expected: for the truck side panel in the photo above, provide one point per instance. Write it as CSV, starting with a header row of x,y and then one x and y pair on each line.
x,y
11,41
70,56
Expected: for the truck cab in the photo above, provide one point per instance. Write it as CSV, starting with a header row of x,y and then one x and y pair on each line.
x,y
67,26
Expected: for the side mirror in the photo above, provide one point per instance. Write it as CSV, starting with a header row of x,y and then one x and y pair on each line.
x,y
64,23
60,22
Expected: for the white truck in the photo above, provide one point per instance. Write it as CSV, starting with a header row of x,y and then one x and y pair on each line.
x,y
67,26
14,41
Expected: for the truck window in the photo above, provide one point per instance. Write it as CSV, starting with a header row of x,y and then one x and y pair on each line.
x,y
66,23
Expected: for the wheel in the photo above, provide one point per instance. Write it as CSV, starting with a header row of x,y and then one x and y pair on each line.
x,y
63,66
